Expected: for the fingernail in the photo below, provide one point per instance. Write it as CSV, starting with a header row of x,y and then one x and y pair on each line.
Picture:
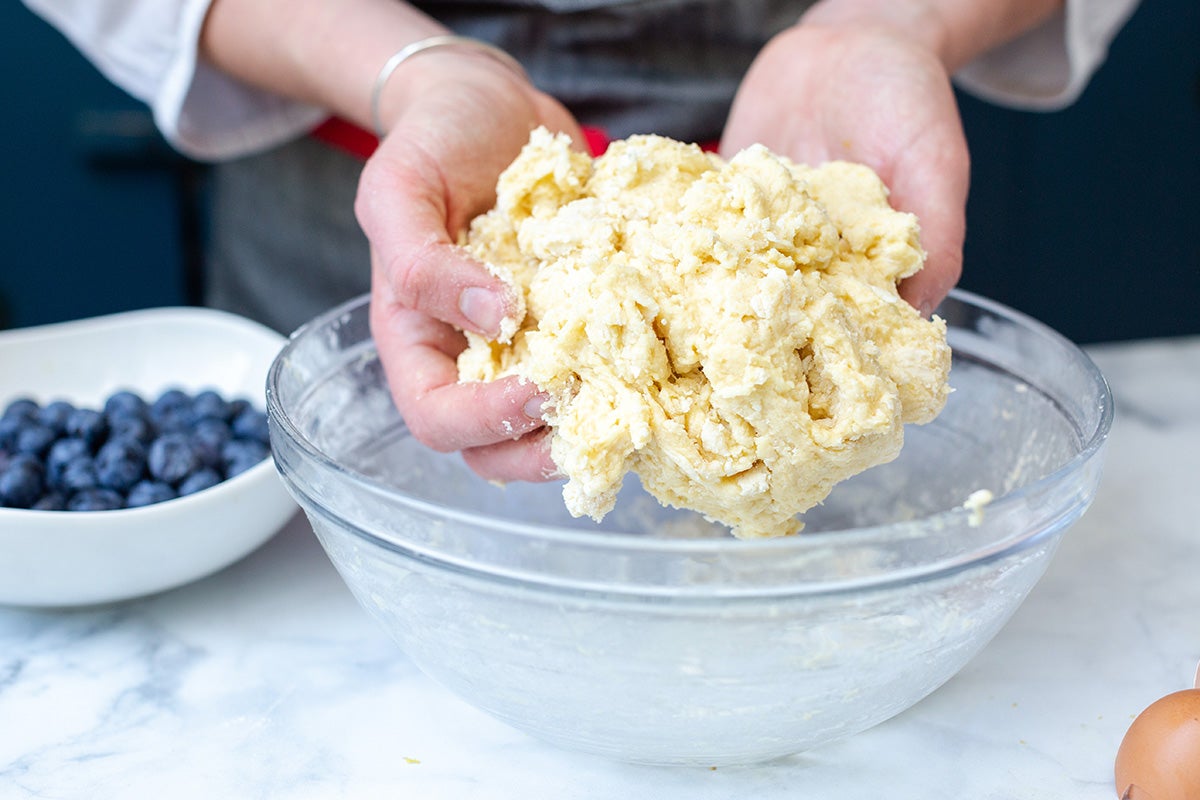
x,y
925,307
482,308
535,406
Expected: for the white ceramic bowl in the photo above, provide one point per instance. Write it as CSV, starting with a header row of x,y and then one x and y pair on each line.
x,y
62,558
655,637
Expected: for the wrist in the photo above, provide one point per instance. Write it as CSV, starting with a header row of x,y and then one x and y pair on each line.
x,y
955,31
414,68
920,23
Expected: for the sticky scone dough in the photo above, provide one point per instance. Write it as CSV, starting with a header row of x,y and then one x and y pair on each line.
x,y
729,331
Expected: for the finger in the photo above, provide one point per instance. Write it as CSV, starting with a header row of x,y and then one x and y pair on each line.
x,y
400,207
929,287
943,227
460,416
932,182
418,356
524,459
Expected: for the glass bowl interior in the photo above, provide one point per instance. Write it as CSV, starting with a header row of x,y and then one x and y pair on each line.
x,y
656,637
1026,421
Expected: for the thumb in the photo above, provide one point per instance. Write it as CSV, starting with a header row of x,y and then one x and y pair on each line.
x,y
932,183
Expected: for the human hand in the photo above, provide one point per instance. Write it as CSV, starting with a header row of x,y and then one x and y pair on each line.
x,y
823,92
457,122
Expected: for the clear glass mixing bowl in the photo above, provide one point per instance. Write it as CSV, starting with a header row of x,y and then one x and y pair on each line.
x,y
655,637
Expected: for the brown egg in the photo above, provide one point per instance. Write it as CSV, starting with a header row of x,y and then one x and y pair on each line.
x,y
1159,758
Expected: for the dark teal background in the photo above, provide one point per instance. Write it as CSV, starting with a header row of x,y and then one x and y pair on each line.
x,y
90,220
1088,218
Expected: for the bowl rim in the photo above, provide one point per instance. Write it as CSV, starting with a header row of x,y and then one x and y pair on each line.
x,y
134,317
615,541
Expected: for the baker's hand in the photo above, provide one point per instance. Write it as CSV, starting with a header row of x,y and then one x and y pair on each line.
x,y
823,92
456,121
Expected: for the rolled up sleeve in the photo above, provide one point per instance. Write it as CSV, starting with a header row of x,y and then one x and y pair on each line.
x,y
150,49
1049,67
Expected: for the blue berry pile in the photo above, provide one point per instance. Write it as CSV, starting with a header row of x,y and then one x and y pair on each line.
x,y
130,453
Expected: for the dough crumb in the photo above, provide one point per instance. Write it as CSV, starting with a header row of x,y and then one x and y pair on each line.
x,y
729,331
975,504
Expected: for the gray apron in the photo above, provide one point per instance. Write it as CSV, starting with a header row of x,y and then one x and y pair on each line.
x,y
284,244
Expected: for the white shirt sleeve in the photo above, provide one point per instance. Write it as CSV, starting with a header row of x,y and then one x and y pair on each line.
x,y
1048,67
149,49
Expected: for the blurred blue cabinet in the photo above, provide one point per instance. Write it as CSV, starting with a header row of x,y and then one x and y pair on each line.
x,y
1088,218
95,206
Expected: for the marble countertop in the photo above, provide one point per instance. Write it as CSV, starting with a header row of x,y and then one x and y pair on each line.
x,y
267,681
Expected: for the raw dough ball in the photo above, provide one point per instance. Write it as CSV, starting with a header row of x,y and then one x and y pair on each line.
x,y
731,332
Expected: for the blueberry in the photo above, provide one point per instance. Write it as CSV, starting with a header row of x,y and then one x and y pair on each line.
x,y
251,424
237,406
23,408
170,400
120,464
198,481
87,424
139,429
54,415
172,458
62,452
20,485
95,500
35,439
208,437
147,493
208,404
175,420
9,428
78,474
51,501
31,461
125,404
239,455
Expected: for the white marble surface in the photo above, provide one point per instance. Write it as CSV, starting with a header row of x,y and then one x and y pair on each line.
x,y
267,681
